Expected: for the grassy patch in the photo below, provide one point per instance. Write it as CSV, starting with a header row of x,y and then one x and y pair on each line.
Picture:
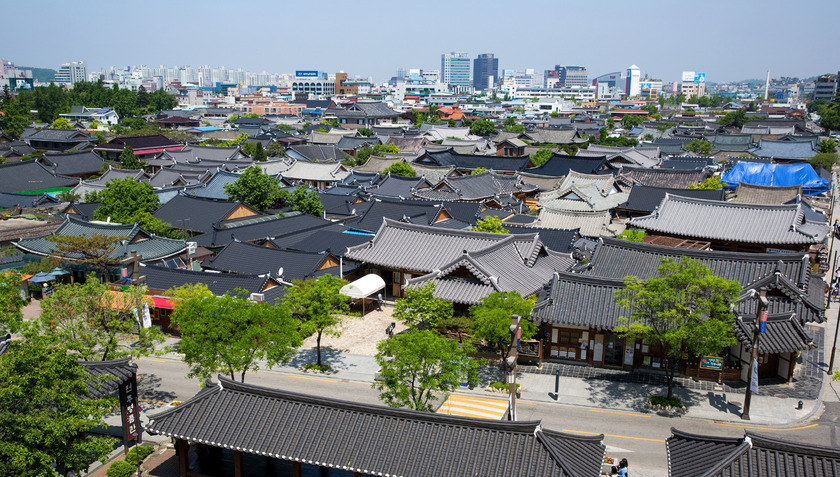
x,y
502,386
664,401
316,367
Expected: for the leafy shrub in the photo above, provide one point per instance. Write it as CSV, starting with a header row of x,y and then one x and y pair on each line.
x,y
502,386
664,401
317,367
140,452
121,468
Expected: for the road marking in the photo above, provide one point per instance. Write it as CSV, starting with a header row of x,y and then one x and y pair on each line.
x,y
154,402
613,435
620,412
470,406
314,379
152,359
766,428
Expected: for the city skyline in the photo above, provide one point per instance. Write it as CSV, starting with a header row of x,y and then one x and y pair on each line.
x,y
724,39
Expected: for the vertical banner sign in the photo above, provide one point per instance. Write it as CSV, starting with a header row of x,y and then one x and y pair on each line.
x,y
147,317
762,321
129,408
754,378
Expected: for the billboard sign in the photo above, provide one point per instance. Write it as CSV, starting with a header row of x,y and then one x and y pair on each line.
x,y
306,74
695,77
17,84
645,85
130,410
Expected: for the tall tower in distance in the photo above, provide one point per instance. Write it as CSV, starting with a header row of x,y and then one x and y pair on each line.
x,y
633,87
455,70
485,72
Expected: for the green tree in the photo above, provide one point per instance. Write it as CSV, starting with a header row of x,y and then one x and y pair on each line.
x,y
92,321
650,108
303,199
418,365
275,149
234,335
631,120
685,310
61,123
259,153
633,235
699,146
94,250
123,198
828,146
318,305
610,124
492,319
46,411
452,123
434,113
420,307
483,127
365,132
11,303
712,182
478,170
128,160
399,169
735,118
648,137
824,159
541,156
363,154
511,125
255,188
490,224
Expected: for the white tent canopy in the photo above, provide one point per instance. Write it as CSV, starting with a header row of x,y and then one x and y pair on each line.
x,y
363,287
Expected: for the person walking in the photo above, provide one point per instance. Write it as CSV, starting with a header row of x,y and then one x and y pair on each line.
x,y
379,301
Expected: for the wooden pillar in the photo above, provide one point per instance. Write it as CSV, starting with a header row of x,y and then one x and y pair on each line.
x,y
296,469
237,463
183,456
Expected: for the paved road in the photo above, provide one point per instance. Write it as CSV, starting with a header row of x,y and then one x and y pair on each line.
x,y
638,437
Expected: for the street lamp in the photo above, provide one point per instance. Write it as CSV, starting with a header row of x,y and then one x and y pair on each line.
x,y
510,363
760,316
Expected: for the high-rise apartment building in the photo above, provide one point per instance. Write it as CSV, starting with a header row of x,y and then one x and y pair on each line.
x,y
71,73
485,72
826,87
571,75
455,70
633,85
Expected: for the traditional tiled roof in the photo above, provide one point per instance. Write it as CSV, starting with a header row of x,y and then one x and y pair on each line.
x,y
113,174
10,199
543,183
316,152
407,144
732,142
448,157
503,267
173,177
419,212
238,257
373,109
84,210
138,143
407,246
577,300
754,455
197,214
784,334
73,163
758,194
356,143
617,155
58,135
192,153
316,171
397,186
214,188
734,222
335,242
591,224
672,178
560,165
476,187
585,193
378,164
316,137
257,228
373,439
162,278
107,375
644,199
558,240
148,247
799,150
30,176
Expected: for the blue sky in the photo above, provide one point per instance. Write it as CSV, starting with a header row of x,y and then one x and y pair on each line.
x,y
729,40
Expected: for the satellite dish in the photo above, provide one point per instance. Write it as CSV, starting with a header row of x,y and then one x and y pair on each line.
x,y
280,272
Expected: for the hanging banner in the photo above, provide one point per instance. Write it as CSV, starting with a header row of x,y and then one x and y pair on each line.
x,y
754,378
147,317
130,410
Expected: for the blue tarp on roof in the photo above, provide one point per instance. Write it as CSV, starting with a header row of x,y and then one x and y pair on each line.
x,y
778,175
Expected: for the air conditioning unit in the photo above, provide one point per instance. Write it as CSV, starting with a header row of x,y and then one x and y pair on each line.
x,y
258,297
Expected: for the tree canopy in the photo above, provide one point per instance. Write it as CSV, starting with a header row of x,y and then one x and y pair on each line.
x,y
420,307
318,305
234,335
255,188
541,156
400,169
123,199
685,310
302,199
46,411
11,303
492,319
490,224
712,182
418,364
61,123
699,146
483,127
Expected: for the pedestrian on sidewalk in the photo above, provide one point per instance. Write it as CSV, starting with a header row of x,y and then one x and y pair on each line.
x,y
379,302
622,468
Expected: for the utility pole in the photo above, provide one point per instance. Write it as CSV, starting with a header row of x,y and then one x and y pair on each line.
x,y
515,331
760,316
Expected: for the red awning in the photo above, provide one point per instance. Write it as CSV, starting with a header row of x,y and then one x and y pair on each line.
x,y
162,302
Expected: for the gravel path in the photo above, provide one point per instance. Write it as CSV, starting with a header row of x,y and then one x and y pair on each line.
x,y
359,335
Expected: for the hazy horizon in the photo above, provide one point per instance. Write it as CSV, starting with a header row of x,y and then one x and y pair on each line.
x,y
722,39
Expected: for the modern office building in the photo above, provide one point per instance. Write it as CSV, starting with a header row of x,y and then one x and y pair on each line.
x,y
455,70
568,75
485,72
826,87
693,84
71,73
633,84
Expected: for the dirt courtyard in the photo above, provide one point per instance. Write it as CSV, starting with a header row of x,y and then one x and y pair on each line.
x,y
359,335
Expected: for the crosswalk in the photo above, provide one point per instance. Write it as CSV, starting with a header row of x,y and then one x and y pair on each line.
x,y
470,406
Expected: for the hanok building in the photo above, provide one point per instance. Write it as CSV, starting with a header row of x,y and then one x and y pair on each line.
x,y
144,147
253,429
196,216
281,264
73,164
486,186
736,226
59,140
363,114
400,252
578,311
33,177
466,163
643,200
